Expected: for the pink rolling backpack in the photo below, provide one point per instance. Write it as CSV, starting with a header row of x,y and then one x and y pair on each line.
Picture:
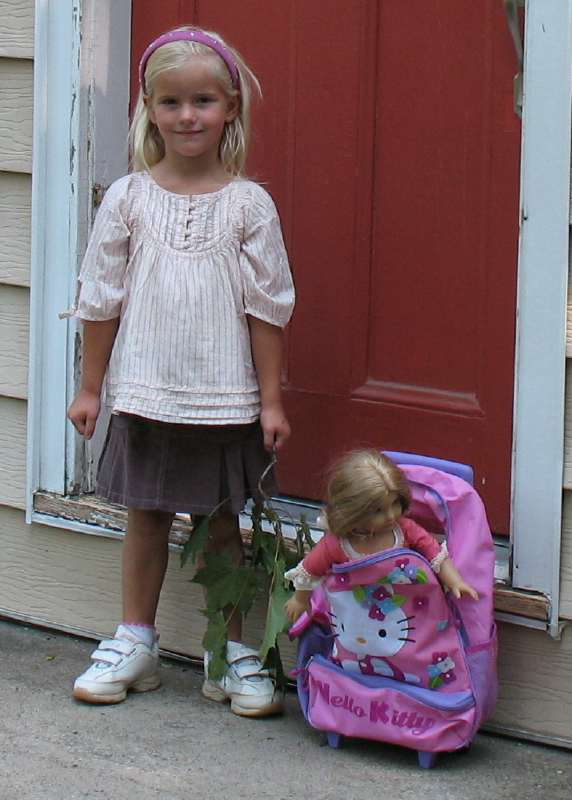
x,y
386,653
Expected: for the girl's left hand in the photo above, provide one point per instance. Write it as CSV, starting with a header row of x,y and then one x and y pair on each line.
x,y
275,427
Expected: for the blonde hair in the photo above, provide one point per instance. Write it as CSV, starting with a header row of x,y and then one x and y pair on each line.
x,y
360,484
146,145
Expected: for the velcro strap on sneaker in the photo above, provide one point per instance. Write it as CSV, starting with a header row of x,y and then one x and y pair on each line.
x,y
111,651
248,666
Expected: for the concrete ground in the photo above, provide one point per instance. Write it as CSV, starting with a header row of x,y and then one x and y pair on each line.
x,y
175,745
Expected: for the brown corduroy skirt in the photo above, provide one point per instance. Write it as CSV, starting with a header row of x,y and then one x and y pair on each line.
x,y
197,469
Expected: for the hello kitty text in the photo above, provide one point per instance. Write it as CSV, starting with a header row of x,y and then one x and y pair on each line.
x,y
377,712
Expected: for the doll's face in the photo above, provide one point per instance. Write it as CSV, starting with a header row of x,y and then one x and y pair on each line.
x,y
384,519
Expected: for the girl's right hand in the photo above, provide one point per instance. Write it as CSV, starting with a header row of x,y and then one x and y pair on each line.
x,y
84,411
275,426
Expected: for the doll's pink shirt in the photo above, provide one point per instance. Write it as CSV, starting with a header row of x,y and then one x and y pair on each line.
x,y
329,550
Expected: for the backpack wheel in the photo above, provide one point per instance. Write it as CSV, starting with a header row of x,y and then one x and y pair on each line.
x,y
426,760
334,739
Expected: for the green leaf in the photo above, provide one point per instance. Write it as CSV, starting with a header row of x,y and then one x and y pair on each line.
x,y
234,587
195,544
273,662
257,533
268,551
306,532
359,593
214,641
227,584
276,619
270,514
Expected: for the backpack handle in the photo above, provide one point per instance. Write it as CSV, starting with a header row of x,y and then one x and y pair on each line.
x,y
463,471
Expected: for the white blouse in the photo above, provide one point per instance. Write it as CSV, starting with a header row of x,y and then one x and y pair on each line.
x,y
182,272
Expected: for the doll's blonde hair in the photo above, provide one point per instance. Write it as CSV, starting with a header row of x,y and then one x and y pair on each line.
x,y
360,484
145,142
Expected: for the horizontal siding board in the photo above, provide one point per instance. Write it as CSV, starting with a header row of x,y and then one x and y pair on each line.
x,y
17,28
566,559
15,228
14,335
534,677
16,111
12,452
567,478
73,580
569,321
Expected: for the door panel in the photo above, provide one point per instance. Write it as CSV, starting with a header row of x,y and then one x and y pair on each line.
x,y
388,141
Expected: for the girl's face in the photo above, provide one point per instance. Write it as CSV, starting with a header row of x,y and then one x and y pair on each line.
x,y
384,519
190,110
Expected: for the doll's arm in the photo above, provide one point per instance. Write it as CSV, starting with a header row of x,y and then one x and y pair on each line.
x,y
318,560
452,578
298,603
310,573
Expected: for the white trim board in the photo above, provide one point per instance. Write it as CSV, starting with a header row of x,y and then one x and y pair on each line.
x,y
77,92
541,305
54,233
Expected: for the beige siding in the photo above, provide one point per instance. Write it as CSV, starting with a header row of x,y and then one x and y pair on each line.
x,y
568,427
565,610
569,317
566,556
16,87
15,228
16,28
16,111
534,676
12,453
14,325
73,581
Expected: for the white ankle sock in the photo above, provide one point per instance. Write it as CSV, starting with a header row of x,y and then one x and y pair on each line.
x,y
234,648
134,632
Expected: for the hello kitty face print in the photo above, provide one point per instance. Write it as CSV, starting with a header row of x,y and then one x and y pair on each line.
x,y
369,632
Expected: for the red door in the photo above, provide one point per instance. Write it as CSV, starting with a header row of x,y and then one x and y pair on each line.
x,y
388,141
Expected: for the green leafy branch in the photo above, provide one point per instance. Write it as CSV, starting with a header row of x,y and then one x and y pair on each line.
x,y
233,586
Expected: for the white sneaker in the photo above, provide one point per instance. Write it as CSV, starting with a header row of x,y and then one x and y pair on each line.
x,y
249,688
119,665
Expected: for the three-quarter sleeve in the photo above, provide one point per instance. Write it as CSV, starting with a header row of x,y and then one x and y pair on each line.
x,y
301,578
100,285
311,570
417,538
267,284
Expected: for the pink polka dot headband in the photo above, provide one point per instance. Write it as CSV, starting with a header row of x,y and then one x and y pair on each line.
x,y
189,36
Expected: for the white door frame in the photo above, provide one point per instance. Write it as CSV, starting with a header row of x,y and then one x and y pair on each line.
x,y
538,456
81,107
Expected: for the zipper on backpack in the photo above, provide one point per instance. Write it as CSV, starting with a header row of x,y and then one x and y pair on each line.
x,y
375,558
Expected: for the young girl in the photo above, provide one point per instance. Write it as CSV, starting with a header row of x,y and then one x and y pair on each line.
x,y
183,293
367,497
